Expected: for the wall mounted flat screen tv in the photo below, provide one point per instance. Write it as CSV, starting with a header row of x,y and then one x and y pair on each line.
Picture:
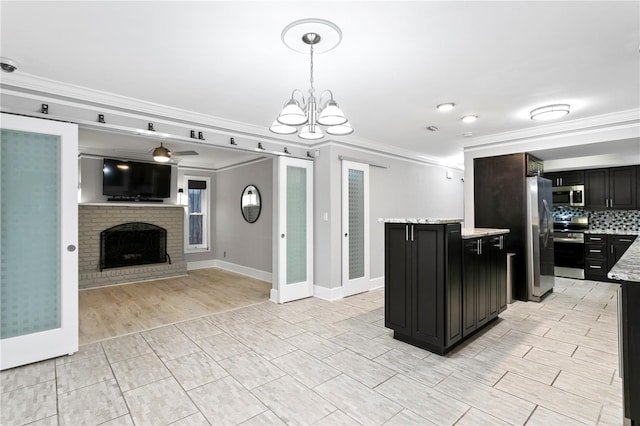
x,y
127,180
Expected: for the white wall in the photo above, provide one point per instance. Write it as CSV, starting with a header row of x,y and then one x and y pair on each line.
x,y
403,189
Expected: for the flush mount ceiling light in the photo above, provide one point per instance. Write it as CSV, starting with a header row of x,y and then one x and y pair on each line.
x,y
469,118
161,154
550,112
445,107
305,36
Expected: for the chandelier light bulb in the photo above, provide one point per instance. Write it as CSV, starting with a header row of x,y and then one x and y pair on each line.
x,y
332,115
292,114
282,129
340,130
310,132
161,154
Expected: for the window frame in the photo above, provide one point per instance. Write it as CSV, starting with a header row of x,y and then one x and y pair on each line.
x,y
205,213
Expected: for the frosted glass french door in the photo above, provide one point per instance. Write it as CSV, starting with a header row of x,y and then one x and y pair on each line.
x,y
39,222
355,228
295,229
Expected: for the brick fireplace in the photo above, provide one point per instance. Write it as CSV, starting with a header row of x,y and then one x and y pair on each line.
x,y
93,219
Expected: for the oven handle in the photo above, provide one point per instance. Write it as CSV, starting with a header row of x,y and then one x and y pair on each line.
x,y
568,240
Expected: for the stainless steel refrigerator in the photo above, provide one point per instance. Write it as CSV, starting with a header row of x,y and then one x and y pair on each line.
x,y
539,241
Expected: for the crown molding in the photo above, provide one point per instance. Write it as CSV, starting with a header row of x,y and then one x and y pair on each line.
x,y
628,119
24,84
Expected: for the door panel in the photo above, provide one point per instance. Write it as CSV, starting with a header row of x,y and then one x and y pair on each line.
x,y
295,230
39,216
355,228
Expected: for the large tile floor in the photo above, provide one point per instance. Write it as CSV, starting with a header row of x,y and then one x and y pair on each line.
x,y
334,363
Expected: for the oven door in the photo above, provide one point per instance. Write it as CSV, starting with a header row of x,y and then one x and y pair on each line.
x,y
568,259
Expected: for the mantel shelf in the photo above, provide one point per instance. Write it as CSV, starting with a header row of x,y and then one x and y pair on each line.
x,y
134,204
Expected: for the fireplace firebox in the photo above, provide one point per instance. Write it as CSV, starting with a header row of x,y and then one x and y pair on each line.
x,y
134,243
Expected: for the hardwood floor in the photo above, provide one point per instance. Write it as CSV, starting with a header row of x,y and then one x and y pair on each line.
x,y
114,311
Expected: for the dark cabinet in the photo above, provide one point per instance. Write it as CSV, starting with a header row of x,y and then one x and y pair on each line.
x,y
423,284
629,351
611,188
602,252
567,178
484,283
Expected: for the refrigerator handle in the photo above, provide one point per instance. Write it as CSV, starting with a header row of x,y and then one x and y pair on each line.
x,y
548,221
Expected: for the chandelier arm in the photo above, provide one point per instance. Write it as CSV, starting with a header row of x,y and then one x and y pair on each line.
x,y
322,94
304,101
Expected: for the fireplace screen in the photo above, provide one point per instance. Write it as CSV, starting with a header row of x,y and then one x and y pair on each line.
x,y
134,243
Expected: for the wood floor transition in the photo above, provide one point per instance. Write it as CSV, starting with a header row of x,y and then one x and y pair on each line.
x,y
117,310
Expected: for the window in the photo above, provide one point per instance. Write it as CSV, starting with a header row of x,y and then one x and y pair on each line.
x,y
197,220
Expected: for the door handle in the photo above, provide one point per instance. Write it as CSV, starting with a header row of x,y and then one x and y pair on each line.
x,y
71,248
346,234
281,235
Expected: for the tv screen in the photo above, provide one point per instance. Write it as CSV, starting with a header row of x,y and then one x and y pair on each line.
x,y
130,179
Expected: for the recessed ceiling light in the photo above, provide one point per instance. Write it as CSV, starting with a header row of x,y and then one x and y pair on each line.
x,y
550,112
469,118
432,128
446,107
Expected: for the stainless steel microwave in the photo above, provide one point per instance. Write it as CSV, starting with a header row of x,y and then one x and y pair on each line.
x,y
568,196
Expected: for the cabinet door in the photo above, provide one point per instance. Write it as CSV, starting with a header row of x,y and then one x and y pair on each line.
x,y
483,283
397,278
618,245
497,280
428,273
575,177
596,188
555,178
622,187
469,308
501,260
453,286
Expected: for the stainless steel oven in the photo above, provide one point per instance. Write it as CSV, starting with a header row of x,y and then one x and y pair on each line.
x,y
568,246
568,196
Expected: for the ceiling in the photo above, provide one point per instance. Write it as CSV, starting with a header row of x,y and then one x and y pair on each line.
x,y
396,62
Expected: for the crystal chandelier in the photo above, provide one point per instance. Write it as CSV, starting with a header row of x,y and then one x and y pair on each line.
x,y
306,113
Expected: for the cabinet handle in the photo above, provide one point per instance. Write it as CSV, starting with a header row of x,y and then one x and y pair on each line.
x,y
595,239
624,240
479,246
595,251
595,267
611,248
620,332
406,232
412,226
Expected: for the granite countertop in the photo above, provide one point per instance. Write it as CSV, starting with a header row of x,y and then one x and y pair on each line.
x,y
418,220
468,233
611,232
628,267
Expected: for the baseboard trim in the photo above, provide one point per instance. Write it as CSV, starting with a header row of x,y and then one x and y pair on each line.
x,y
202,264
273,297
376,283
336,293
327,293
232,267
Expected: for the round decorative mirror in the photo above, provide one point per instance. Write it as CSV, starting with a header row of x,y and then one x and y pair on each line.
x,y
250,203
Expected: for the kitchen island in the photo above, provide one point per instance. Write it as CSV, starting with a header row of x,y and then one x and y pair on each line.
x,y
627,270
442,283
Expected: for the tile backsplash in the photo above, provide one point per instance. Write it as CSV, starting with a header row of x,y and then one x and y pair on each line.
x,y
620,220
